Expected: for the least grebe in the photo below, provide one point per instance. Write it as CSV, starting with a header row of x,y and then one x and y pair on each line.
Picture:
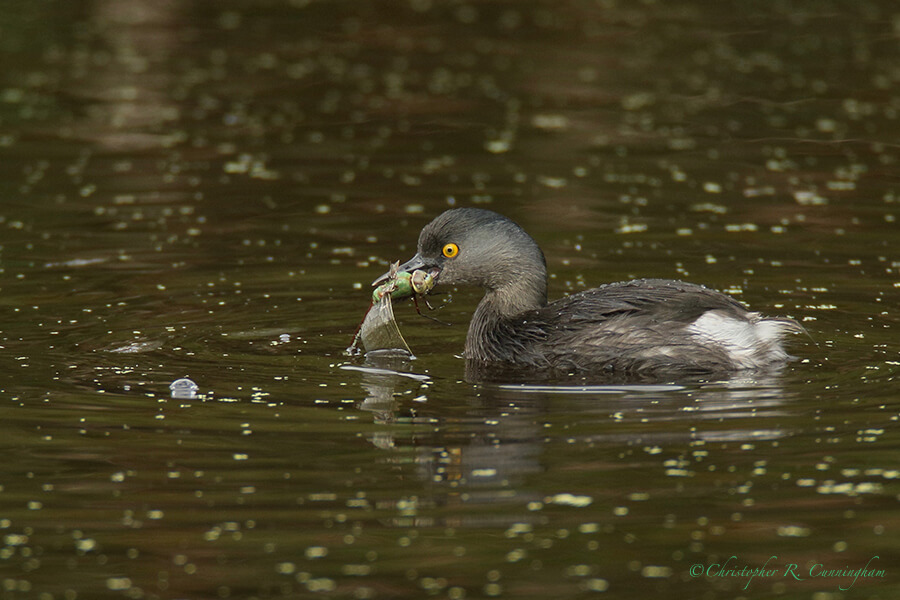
x,y
644,327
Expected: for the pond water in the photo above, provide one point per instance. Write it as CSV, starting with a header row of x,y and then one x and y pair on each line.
x,y
205,190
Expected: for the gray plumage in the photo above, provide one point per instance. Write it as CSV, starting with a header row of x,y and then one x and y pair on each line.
x,y
647,327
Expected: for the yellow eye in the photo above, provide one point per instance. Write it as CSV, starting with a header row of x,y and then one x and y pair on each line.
x,y
450,250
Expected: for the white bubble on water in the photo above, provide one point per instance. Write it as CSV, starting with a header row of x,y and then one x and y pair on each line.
x,y
184,389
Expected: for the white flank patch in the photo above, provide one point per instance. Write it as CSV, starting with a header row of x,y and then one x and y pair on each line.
x,y
750,343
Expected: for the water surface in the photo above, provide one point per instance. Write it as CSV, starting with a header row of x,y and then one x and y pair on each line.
x,y
205,190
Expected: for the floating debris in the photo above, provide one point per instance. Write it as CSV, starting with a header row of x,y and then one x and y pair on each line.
x,y
136,347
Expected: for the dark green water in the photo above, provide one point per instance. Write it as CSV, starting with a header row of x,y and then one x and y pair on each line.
x,y
205,190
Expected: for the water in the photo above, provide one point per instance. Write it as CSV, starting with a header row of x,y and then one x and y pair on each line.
x,y
205,191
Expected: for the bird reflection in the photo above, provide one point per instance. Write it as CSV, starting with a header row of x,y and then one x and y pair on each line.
x,y
386,375
485,448
445,451
390,385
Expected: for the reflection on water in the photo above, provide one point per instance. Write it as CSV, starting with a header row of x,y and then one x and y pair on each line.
x,y
207,189
385,376
505,440
498,458
128,104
